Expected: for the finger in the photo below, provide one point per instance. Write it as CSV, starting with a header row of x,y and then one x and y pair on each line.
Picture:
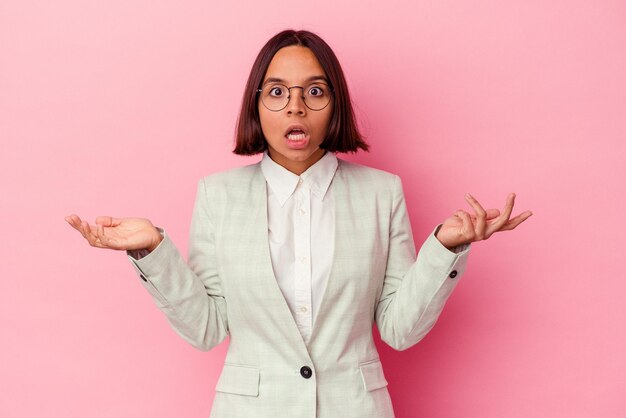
x,y
100,232
73,220
514,222
108,221
97,241
90,234
86,230
105,240
100,235
509,206
467,230
480,216
81,228
504,218
492,213
104,220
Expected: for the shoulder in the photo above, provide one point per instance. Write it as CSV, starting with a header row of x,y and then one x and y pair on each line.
x,y
232,178
354,173
221,189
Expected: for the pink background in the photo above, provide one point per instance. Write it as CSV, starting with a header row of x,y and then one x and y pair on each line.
x,y
119,107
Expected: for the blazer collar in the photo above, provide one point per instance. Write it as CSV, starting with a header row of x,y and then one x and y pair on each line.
x,y
283,182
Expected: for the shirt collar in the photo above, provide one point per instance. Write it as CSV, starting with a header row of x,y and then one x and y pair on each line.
x,y
283,182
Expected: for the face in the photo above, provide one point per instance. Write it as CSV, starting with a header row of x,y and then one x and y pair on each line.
x,y
295,133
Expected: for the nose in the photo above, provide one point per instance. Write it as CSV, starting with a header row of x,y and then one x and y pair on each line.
x,y
296,101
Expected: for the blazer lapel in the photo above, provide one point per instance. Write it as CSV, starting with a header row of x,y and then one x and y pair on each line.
x,y
259,228
343,243
257,232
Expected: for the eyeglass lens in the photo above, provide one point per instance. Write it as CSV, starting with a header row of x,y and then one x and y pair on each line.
x,y
276,96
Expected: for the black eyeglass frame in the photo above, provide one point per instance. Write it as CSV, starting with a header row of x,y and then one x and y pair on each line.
x,y
331,90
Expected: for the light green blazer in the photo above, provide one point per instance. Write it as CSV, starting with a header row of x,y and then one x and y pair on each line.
x,y
227,288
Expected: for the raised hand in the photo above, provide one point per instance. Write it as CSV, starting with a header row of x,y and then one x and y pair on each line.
x,y
463,228
118,233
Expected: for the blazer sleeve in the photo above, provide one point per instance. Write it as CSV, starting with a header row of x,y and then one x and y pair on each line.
x,y
415,289
189,294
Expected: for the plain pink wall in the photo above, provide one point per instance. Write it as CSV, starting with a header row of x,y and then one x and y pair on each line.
x,y
119,107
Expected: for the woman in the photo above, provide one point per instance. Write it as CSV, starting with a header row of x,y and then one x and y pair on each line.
x,y
297,256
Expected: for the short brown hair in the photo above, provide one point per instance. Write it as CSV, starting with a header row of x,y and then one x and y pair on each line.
x,y
343,134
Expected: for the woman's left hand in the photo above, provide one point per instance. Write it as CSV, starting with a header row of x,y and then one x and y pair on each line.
x,y
463,228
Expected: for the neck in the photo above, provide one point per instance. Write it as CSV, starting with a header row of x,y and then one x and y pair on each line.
x,y
297,167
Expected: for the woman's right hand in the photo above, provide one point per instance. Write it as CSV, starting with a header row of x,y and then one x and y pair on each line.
x,y
118,233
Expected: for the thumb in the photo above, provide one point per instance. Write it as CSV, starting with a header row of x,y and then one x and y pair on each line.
x,y
492,213
107,221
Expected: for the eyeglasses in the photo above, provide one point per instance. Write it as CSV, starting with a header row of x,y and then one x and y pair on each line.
x,y
275,97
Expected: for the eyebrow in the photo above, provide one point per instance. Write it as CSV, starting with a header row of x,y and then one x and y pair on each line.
x,y
308,80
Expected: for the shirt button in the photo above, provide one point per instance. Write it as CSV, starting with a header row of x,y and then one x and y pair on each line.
x,y
303,309
301,211
306,372
303,259
299,181
453,274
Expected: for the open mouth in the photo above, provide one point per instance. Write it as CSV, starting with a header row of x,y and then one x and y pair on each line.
x,y
296,132
296,135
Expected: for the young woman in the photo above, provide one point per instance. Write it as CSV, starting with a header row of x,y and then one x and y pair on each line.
x,y
295,257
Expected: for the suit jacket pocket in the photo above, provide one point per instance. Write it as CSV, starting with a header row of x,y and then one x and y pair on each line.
x,y
239,380
372,374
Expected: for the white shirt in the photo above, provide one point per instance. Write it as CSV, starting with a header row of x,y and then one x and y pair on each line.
x,y
301,221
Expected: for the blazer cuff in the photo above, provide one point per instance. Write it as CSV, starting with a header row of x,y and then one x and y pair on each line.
x,y
135,255
151,265
456,250
444,263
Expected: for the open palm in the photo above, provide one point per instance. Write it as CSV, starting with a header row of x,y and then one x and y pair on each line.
x,y
118,233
